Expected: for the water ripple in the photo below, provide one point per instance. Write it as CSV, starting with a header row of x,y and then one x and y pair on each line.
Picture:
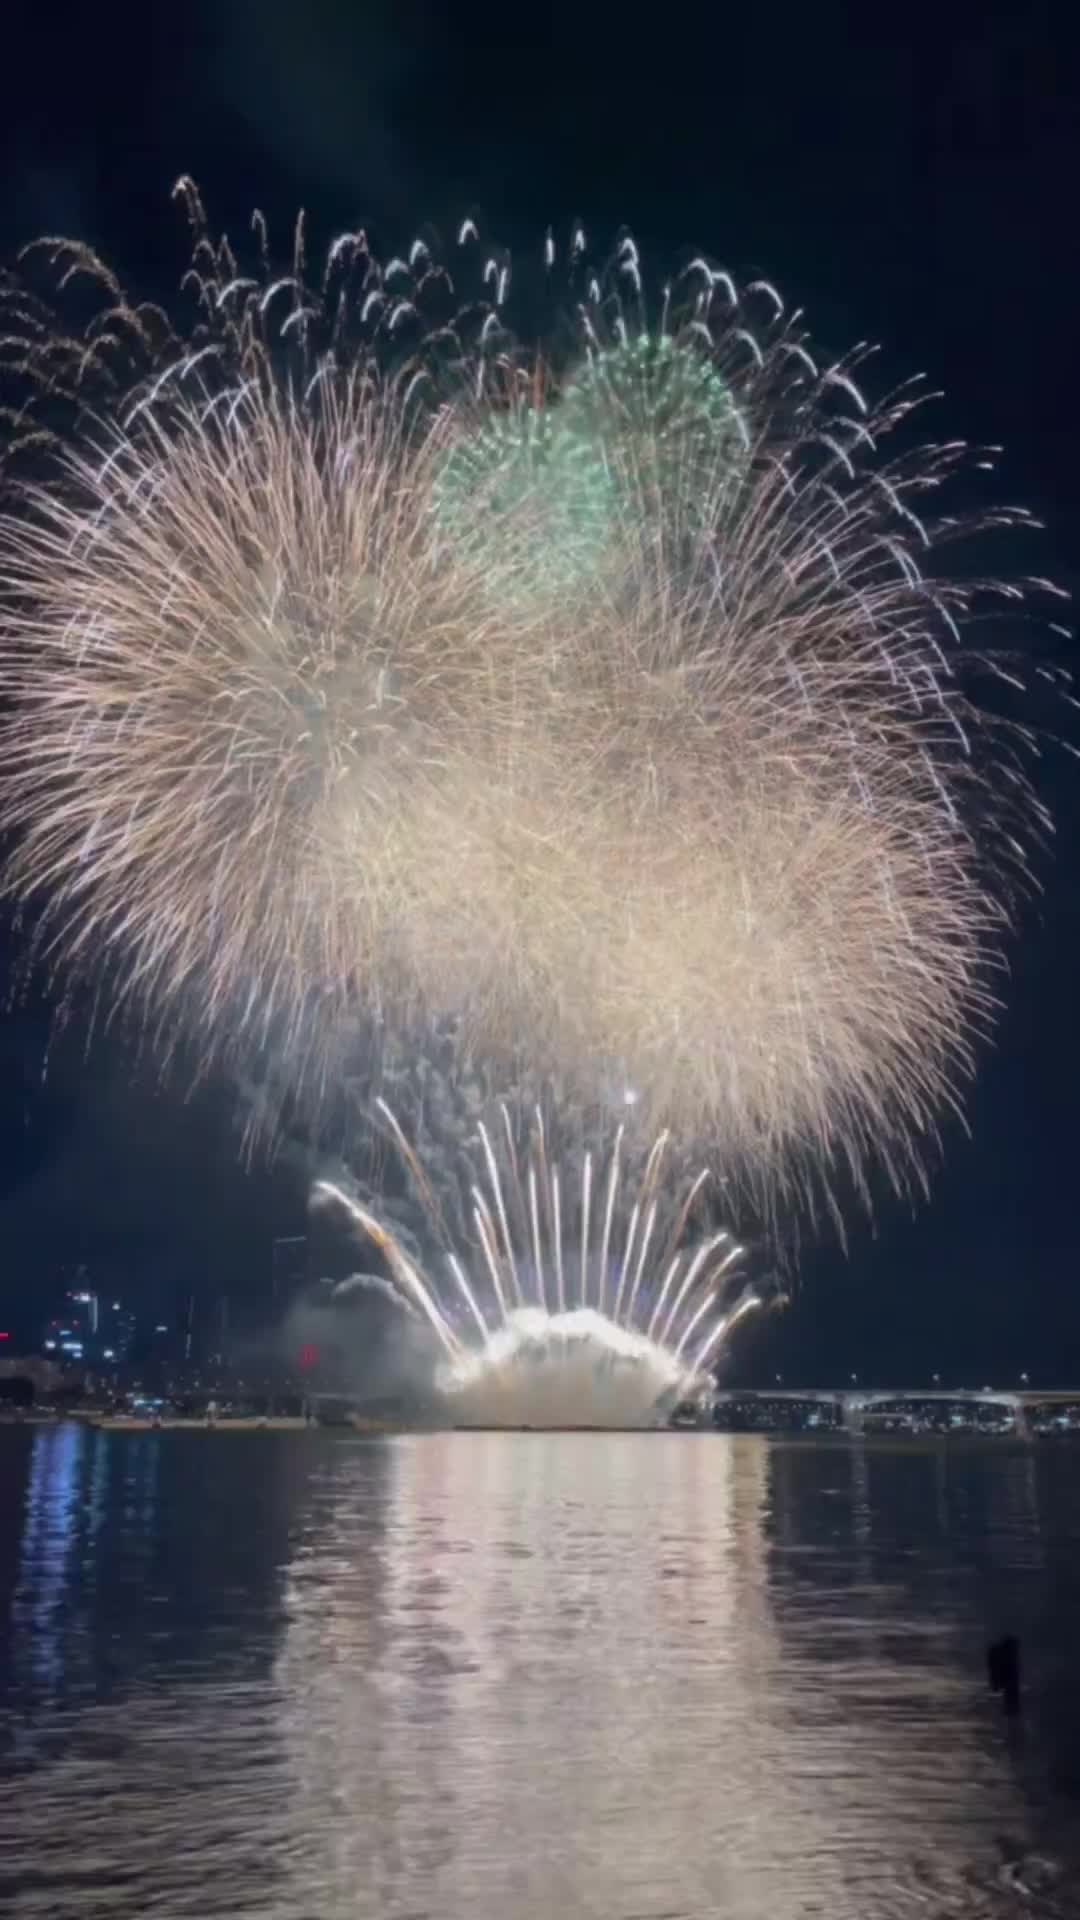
x,y
644,1677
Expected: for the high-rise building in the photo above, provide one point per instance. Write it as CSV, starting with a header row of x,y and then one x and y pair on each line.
x,y
89,1329
71,1336
289,1271
116,1333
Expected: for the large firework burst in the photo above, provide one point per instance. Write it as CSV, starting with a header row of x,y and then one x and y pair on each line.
x,y
612,700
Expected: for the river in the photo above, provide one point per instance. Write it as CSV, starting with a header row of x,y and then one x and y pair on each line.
x,y
534,1677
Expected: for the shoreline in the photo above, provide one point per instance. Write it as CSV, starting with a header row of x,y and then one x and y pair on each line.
x,y
198,1423
372,1427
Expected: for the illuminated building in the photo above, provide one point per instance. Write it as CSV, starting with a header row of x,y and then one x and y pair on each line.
x,y
116,1333
71,1337
89,1330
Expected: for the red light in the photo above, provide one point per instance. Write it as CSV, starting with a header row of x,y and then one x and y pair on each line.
x,y
5,1336
309,1357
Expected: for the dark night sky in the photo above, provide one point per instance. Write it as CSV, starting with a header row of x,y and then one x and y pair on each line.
x,y
907,174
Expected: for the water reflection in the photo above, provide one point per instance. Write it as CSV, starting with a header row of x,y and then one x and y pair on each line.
x,y
548,1607
510,1675
137,1645
48,1541
599,1682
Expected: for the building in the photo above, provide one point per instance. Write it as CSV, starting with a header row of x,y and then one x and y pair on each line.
x,y
71,1335
90,1330
116,1333
289,1271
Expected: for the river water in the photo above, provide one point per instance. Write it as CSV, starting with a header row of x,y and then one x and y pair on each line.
x,y
534,1677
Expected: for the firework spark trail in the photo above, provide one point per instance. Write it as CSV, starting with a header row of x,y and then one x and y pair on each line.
x,y
573,1365
405,1276
318,701
265,840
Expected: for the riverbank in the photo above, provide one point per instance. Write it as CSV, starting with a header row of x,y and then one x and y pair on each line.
x,y
199,1423
242,1423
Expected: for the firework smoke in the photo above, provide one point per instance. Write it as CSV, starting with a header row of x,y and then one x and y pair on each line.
x,y
584,1294
619,709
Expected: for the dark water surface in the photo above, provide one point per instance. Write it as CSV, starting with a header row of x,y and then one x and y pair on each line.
x,y
484,1677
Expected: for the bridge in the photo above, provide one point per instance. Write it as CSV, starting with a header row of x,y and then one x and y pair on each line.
x,y
852,1403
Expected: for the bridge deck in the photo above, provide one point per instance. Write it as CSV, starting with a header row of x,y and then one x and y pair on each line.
x,y
867,1396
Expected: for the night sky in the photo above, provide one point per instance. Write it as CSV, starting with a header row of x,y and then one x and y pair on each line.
x,y
907,175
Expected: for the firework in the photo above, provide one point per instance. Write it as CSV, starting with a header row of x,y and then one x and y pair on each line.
x,y
573,1304
228,781
611,701
639,432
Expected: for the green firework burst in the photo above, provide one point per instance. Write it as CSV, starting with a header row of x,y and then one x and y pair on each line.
x,y
660,414
551,486
543,498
